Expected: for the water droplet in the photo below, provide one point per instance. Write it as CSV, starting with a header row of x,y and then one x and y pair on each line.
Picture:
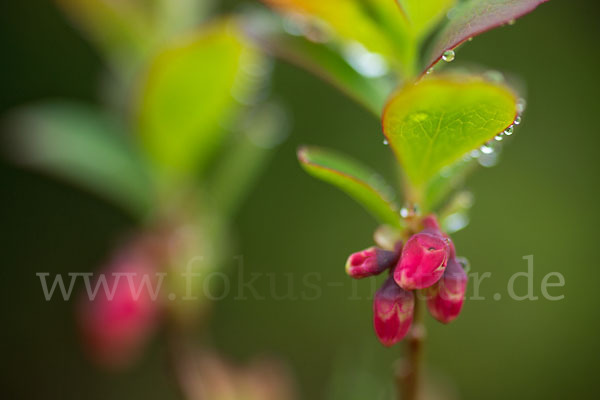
x,y
521,104
385,142
429,71
512,21
509,131
470,39
475,153
518,120
448,55
410,211
488,160
499,137
486,149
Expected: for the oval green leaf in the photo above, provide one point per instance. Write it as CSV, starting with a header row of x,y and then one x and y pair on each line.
x,y
435,122
189,95
86,148
358,181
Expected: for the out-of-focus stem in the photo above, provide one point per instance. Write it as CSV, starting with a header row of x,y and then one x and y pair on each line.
x,y
408,375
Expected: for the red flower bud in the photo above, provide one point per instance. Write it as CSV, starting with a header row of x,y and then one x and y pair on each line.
x,y
431,225
371,261
116,323
445,299
423,261
393,309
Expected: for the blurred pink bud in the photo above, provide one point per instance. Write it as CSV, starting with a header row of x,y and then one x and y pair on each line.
x,y
117,321
371,261
445,299
423,261
393,309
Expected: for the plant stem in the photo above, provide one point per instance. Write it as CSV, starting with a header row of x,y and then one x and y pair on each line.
x,y
408,376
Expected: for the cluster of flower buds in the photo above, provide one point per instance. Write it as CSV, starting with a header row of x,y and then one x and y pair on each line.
x,y
426,261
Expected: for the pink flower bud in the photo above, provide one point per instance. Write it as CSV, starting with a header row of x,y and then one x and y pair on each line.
x,y
118,320
445,299
393,309
422,262
431,225
371,261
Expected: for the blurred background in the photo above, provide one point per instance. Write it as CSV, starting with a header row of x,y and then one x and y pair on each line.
x,y
540,200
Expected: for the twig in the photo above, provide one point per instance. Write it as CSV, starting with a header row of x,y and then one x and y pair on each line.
x,y
408,375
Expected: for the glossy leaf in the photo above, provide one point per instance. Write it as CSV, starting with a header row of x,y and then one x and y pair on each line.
x,y
188,96
474,17
321,59
435,122
423,15
86,148
362,184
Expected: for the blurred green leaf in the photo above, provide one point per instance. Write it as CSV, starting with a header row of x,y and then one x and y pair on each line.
x,y
473,17
189,94
175,17
85,147
121,29
424,15
435,122
321,59
359,182
376,24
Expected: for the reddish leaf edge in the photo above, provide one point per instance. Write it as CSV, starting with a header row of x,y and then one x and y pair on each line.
x,y
477,33
304,159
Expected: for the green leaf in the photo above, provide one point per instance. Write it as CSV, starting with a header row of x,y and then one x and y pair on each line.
x,y
376,24
474,17
321,59
435,122
121,29
424,15
85,147
359,182
188,94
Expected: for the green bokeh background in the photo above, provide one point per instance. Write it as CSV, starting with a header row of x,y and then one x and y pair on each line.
x,y
540,200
